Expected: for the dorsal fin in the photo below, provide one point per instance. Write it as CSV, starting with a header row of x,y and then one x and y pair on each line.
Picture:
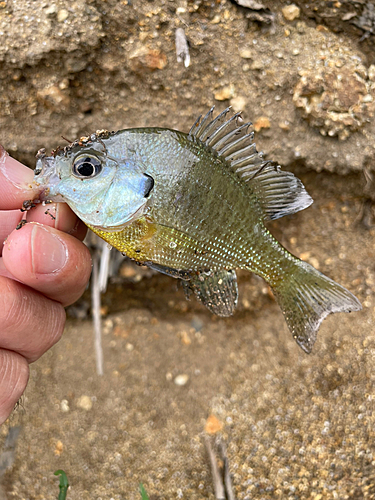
x,y
279,193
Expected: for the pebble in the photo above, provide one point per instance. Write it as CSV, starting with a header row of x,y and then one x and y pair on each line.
x,y
367,98
196,323
59,448
54,96
181,379
314,262
145,58
257,64
305,255
246,54
284,125
64,84
224,93
213,425
73,65
291,12
261,122
52,9
185,338
64,405
85,403
238,103
62,15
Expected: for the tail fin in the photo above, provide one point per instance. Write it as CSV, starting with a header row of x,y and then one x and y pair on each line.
x,y
306,298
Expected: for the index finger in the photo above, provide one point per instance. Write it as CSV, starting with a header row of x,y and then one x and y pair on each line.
x,y
15,182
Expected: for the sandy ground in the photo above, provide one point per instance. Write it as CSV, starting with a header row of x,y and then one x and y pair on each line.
x,y
295,426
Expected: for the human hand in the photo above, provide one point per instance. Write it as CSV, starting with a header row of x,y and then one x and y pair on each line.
x,y
44,266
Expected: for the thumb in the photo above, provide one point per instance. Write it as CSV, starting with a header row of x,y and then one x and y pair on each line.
x,y
50,261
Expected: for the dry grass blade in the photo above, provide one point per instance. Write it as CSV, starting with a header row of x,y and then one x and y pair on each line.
x,y
182,47
220,469
96,313
227,477
215,471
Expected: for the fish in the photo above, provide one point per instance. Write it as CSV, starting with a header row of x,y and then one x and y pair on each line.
x,y
195,207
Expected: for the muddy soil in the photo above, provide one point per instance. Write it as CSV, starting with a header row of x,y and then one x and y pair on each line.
x,y
295,426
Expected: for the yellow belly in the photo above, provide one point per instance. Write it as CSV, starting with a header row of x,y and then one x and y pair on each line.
x,y
147,241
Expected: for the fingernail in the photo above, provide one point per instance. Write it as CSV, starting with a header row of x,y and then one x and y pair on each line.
x,y
49,253
14,171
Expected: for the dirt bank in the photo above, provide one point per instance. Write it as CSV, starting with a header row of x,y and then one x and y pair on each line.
x,y
296,426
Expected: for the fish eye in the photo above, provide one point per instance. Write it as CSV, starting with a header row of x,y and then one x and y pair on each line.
x,y
149,184
86,166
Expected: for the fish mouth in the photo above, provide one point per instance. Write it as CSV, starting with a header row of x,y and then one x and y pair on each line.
x,y
46,177
119,227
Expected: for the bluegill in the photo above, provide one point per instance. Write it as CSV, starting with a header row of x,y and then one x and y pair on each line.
x,y
194,206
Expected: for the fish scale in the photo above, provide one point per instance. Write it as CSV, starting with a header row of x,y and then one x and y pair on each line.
x,y
201,249
194,206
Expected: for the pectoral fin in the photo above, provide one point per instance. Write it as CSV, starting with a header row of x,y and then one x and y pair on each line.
x,y
216,290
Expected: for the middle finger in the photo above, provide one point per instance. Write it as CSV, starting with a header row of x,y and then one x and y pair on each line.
x,y
29,322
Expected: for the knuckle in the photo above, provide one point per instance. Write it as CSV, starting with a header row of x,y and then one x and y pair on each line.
x,y
14,375
30,323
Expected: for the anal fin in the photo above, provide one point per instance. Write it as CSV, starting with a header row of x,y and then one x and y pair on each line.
x,y
218,290
169,271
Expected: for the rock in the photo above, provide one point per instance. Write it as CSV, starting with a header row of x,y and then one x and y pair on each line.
x,y
185,338
251,4
85,403
261,122
59,448
62,15
284,125
246,53
336,98
257,64
75,65
224,93
51,10
31,31
291,12
197,324
181,379
238,103
143,58
53,97
64,405
213,425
